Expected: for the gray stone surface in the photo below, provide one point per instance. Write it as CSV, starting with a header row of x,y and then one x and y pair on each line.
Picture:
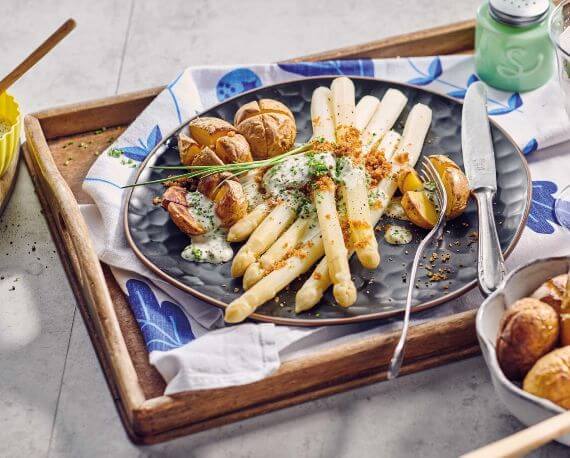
x,y
53,397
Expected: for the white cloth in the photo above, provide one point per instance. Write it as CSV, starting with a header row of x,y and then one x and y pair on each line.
x,y
186,338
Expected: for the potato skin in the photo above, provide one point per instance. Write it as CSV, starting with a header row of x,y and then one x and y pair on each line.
x,y
415,204
455,183
188,148
457,190
207,157
549,378
233,148
269,127
207,130
230,203
528,330
208,185
174,201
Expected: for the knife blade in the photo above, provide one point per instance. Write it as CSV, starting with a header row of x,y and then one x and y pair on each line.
x,y
479,163
476,142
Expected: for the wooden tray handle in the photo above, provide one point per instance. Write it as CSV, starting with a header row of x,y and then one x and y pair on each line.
x,y
75,236
527,440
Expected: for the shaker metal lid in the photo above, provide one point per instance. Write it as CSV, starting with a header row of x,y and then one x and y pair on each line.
x,y
519,12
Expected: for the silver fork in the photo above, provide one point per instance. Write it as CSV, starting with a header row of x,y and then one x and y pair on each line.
x,y
429,174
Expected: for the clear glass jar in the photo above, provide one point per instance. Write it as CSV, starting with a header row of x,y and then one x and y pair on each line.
x,y
514,57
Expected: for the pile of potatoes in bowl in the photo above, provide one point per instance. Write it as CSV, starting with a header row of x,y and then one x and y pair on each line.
x,y
533,343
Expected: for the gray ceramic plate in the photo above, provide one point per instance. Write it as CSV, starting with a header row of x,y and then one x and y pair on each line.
x,y
158,243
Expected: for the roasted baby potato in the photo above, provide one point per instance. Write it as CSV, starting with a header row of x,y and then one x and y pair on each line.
x,y
549,377
455,182
206,131
188,149
268,125
174,201
210,185
528,330
207,157
419,209
233,148
409,180
230,204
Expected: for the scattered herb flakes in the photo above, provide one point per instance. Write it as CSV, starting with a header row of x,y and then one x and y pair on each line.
x,y
115,152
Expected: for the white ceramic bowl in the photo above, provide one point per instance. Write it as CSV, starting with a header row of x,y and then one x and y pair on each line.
x,y
522,282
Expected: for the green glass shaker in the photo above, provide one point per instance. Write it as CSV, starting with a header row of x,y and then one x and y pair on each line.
x,y
513,51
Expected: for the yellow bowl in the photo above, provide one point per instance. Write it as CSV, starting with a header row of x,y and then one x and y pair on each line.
x,y
10,140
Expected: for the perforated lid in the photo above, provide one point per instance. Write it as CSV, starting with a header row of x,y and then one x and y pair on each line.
x,y
519,12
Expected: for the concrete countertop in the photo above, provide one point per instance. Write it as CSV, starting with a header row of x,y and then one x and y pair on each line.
x,y
53,398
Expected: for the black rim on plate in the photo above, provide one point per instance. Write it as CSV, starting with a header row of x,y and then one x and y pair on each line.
x,y
381,293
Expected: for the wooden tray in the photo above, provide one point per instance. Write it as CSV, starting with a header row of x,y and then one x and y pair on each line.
x,y
61,145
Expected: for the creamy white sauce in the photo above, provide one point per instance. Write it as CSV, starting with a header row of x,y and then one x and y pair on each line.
x,y
348,172
211,247
397,235
251,189
296,171
395,209
202,209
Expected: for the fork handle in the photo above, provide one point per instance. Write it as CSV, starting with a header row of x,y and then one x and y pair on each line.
x,y
490,262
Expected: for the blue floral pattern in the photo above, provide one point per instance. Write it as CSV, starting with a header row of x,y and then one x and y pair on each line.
x,y
542,217
164,326
434,71
530,147
355,67
139,152
235,82
514,103
460,93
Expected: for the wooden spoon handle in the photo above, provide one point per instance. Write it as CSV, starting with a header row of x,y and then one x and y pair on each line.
x,y
526,440
35,56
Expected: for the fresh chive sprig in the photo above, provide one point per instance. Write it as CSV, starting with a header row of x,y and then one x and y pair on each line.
x,y
200,171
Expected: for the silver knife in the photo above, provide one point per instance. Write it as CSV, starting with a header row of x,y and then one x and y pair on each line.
x,y
479,162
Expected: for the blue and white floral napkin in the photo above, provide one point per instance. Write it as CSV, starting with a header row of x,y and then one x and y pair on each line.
x,y
186,338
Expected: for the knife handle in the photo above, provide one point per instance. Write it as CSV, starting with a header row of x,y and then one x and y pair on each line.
x,y
490,262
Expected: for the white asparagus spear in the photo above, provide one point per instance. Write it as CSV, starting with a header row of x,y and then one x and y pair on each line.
x,y
242,229
344,290
384,118
263,237
270,285
355,196
409,150
365,109
276,252
322,114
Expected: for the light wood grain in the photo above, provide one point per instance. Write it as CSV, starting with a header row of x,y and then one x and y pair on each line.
x,y
527,440
148,416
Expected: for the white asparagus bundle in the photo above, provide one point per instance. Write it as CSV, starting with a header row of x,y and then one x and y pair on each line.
x,y
409,150
300,262
270,285
276,252
263,237
323,126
